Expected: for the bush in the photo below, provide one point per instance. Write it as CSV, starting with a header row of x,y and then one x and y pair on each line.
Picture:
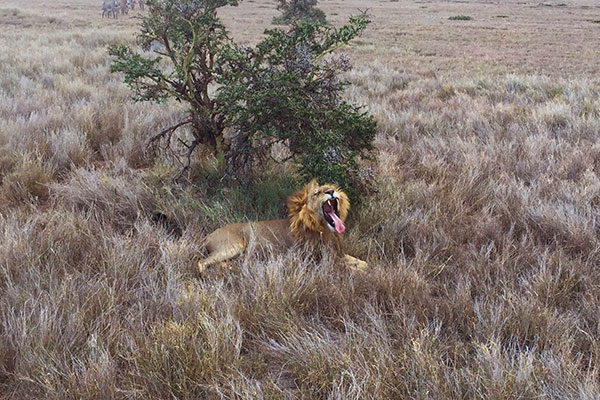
x,y
289,93
298,10
460,18
284,94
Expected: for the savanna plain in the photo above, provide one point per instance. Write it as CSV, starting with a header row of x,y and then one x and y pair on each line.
x,y
481,231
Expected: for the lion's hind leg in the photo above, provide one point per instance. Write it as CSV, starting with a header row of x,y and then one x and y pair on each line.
x,y
221,246
221,255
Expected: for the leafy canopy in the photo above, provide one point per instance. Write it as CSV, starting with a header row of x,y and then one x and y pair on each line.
x,y
287,90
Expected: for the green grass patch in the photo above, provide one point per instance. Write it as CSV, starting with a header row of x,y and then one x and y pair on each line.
x,y
595,21
501,16
555,91
460,17
216,201
230,201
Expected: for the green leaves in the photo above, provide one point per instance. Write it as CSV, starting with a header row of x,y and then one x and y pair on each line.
x,y
356,25
141,74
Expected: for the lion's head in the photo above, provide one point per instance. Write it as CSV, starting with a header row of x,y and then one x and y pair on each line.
x,y
317,209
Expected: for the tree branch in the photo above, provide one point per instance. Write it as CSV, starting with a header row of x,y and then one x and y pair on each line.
x,y
189,153
169,130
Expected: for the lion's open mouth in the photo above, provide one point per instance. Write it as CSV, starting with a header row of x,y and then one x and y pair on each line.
x,y
332,215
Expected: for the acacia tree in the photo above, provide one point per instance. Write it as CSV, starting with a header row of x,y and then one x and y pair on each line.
x,y
295,10
186,37
283,91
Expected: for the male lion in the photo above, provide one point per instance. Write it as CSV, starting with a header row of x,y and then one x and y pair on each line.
x,y
316,216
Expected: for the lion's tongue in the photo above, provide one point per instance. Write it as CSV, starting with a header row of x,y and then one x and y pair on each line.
x,y
337,222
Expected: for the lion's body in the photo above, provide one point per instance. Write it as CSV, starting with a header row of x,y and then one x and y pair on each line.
x,y
305,226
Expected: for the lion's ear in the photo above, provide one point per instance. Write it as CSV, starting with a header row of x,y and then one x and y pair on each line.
x,y
311,185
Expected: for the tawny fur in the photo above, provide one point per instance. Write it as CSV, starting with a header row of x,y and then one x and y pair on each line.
x,y
305,226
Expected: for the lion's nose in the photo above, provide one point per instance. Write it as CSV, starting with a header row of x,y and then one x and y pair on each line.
x,y
330,192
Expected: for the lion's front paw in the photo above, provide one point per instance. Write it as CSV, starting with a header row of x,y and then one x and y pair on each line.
x,y
201,266
354,263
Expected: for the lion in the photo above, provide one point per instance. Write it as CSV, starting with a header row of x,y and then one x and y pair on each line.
x,y
316,216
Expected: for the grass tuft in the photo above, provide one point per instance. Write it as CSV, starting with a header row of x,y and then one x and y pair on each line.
x,y
460,17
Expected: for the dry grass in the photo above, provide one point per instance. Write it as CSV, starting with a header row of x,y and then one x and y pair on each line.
x,y
482,241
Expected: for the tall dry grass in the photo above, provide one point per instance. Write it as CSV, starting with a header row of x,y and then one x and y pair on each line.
x,y
482,241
